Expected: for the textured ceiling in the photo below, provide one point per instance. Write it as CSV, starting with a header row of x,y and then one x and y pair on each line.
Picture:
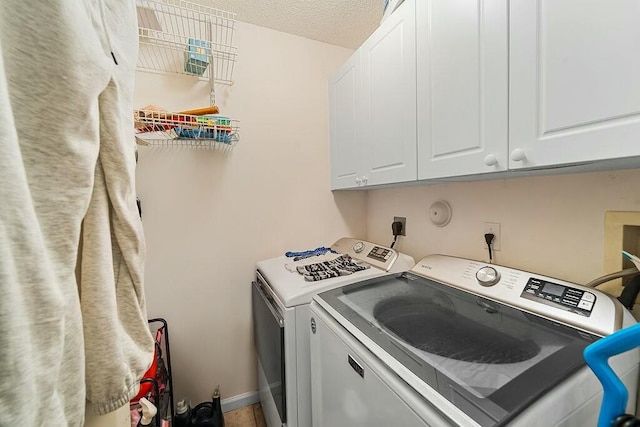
x,y
345,23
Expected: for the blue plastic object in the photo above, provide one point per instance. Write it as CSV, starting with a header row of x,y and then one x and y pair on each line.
x,y
219,136
306,254
196,56
597,355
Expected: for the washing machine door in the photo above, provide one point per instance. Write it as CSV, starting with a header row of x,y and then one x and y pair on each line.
x,y
489,359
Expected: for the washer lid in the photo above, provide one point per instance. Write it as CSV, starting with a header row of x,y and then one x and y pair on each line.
x,y
490,360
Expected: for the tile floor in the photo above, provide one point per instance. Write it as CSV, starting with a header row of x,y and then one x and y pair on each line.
x,y
248,416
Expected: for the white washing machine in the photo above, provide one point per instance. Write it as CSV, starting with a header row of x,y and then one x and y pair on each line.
x,y
456,342
281,298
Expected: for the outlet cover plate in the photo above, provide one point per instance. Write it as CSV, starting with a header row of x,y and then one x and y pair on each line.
x,y
491,227
403,220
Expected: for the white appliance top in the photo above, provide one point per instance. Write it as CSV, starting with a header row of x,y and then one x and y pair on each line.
x,y
292,289
578,306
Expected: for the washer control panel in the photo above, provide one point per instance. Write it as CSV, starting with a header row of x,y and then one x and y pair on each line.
x,y
560,296
380,254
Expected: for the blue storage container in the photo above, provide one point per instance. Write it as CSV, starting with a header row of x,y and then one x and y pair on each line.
x,y
197,56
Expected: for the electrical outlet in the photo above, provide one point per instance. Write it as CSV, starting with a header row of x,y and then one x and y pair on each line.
x,y
403,220
491,227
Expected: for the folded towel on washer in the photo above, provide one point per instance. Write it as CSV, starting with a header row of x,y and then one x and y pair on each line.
x,y
341,266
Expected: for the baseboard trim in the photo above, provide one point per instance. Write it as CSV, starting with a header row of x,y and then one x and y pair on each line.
x,y
240,400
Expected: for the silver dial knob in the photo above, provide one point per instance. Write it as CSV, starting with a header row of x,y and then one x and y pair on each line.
x,y
358,247
488,276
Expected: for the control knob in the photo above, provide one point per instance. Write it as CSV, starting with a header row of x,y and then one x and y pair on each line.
x,y
358,247
488,276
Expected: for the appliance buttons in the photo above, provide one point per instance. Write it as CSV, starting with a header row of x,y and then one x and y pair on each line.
x,y
586,305
588,297
487,276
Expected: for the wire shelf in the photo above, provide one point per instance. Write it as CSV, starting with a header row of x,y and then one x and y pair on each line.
x,y
178,36
165,129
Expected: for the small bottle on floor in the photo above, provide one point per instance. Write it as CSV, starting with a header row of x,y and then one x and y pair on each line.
x,y
183,414
218,416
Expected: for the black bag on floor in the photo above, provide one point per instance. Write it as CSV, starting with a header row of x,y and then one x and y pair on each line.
x,y
208,414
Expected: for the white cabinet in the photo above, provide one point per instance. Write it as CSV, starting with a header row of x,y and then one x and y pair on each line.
x,y
462,84
502,85
372,108
388,128
574,81
344,93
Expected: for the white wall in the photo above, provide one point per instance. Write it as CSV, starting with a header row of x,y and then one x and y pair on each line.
x,y
552,225
209,216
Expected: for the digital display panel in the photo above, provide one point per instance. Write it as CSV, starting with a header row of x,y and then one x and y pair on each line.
x,y
553,289
379,253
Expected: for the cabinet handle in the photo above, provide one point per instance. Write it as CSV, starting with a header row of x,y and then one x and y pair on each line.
x,y
358,181
518,155
364,180
491,160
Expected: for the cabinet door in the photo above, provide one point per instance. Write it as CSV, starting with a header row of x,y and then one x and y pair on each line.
x,y
462,83
388,123
344,92
574,81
